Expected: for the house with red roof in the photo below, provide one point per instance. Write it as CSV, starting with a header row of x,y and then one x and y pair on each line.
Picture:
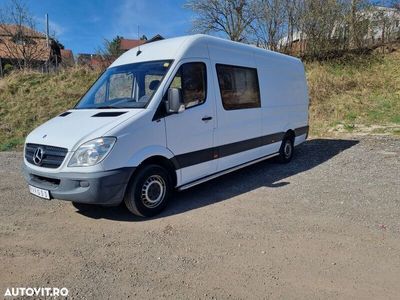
x,y
23,47
96,61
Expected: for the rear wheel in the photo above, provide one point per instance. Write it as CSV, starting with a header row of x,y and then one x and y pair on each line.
x,y
148,191
287,149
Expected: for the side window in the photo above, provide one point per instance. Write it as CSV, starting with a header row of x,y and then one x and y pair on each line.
x,y
238,86
191,79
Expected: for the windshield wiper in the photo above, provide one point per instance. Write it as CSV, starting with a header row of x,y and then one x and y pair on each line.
x,y
106,107
110,107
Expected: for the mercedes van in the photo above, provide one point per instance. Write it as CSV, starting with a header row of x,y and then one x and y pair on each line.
x,y
167,116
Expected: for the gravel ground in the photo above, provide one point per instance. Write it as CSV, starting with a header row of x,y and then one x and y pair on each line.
x,y
324,226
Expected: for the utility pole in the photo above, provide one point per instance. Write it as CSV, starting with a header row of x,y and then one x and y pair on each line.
x,y
47,39
47,30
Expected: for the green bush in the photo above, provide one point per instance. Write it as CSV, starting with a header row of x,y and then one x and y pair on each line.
x,y
7,69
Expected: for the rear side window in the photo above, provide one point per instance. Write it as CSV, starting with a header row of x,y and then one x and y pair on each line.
x,y
192,81
238,86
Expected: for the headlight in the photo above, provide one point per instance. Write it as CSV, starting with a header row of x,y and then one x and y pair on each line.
x,y
92,152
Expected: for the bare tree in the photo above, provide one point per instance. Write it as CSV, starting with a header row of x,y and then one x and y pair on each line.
x,y
232,17
313,28
358,23
292,21
353,21
395,4
270,26
321,22
396,22
19,39
388,27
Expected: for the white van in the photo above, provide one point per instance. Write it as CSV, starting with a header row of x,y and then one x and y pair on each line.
x,y
169,115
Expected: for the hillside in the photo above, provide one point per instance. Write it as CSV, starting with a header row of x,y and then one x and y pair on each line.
x,y
353,94
357,94
29,99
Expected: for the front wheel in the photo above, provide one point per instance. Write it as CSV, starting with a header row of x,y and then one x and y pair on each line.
x,y
148,191
286,151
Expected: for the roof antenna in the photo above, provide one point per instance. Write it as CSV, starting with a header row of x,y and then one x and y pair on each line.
x,y
138,52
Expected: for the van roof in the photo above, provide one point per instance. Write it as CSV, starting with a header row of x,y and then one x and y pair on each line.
x,y
190,46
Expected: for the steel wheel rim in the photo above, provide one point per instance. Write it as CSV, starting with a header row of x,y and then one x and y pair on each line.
x,y
287,149
153,191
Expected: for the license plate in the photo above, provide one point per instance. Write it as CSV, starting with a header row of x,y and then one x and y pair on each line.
x,y
39,192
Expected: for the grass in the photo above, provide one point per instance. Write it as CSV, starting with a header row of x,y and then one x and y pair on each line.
x,y
349,93
353,91
28,99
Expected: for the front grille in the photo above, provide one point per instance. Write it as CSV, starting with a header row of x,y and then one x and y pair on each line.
x,y
52,156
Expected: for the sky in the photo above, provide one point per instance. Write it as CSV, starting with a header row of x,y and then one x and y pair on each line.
x,y
82,25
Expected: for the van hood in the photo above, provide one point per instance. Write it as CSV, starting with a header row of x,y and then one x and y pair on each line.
x,y
72,128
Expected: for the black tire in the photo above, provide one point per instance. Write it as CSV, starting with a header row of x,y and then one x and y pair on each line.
x,y
286,151
148,191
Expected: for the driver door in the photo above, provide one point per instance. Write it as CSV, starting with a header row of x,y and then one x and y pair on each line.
x,y
190,134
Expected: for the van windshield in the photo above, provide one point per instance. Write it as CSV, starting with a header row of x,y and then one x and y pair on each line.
x,y
126,86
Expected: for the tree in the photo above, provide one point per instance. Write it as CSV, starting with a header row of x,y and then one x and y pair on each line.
x,y
23,43
395,4
357,19
60,45
270,25
292,20
313,28
113,47
322,23
110,51
231,17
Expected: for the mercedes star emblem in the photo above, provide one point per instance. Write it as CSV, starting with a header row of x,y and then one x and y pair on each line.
x,y
38,156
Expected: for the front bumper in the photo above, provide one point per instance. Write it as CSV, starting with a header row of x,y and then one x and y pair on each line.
x,y
106,188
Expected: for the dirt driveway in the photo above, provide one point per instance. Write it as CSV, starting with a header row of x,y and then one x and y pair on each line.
x,y
325,226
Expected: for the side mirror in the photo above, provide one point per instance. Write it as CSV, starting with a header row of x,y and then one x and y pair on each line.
x,y
174,102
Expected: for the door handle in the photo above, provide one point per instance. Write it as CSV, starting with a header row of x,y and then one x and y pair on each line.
x,y
206,118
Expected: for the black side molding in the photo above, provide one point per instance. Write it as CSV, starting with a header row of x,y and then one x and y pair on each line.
x,y
301,130
200,156
109,114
